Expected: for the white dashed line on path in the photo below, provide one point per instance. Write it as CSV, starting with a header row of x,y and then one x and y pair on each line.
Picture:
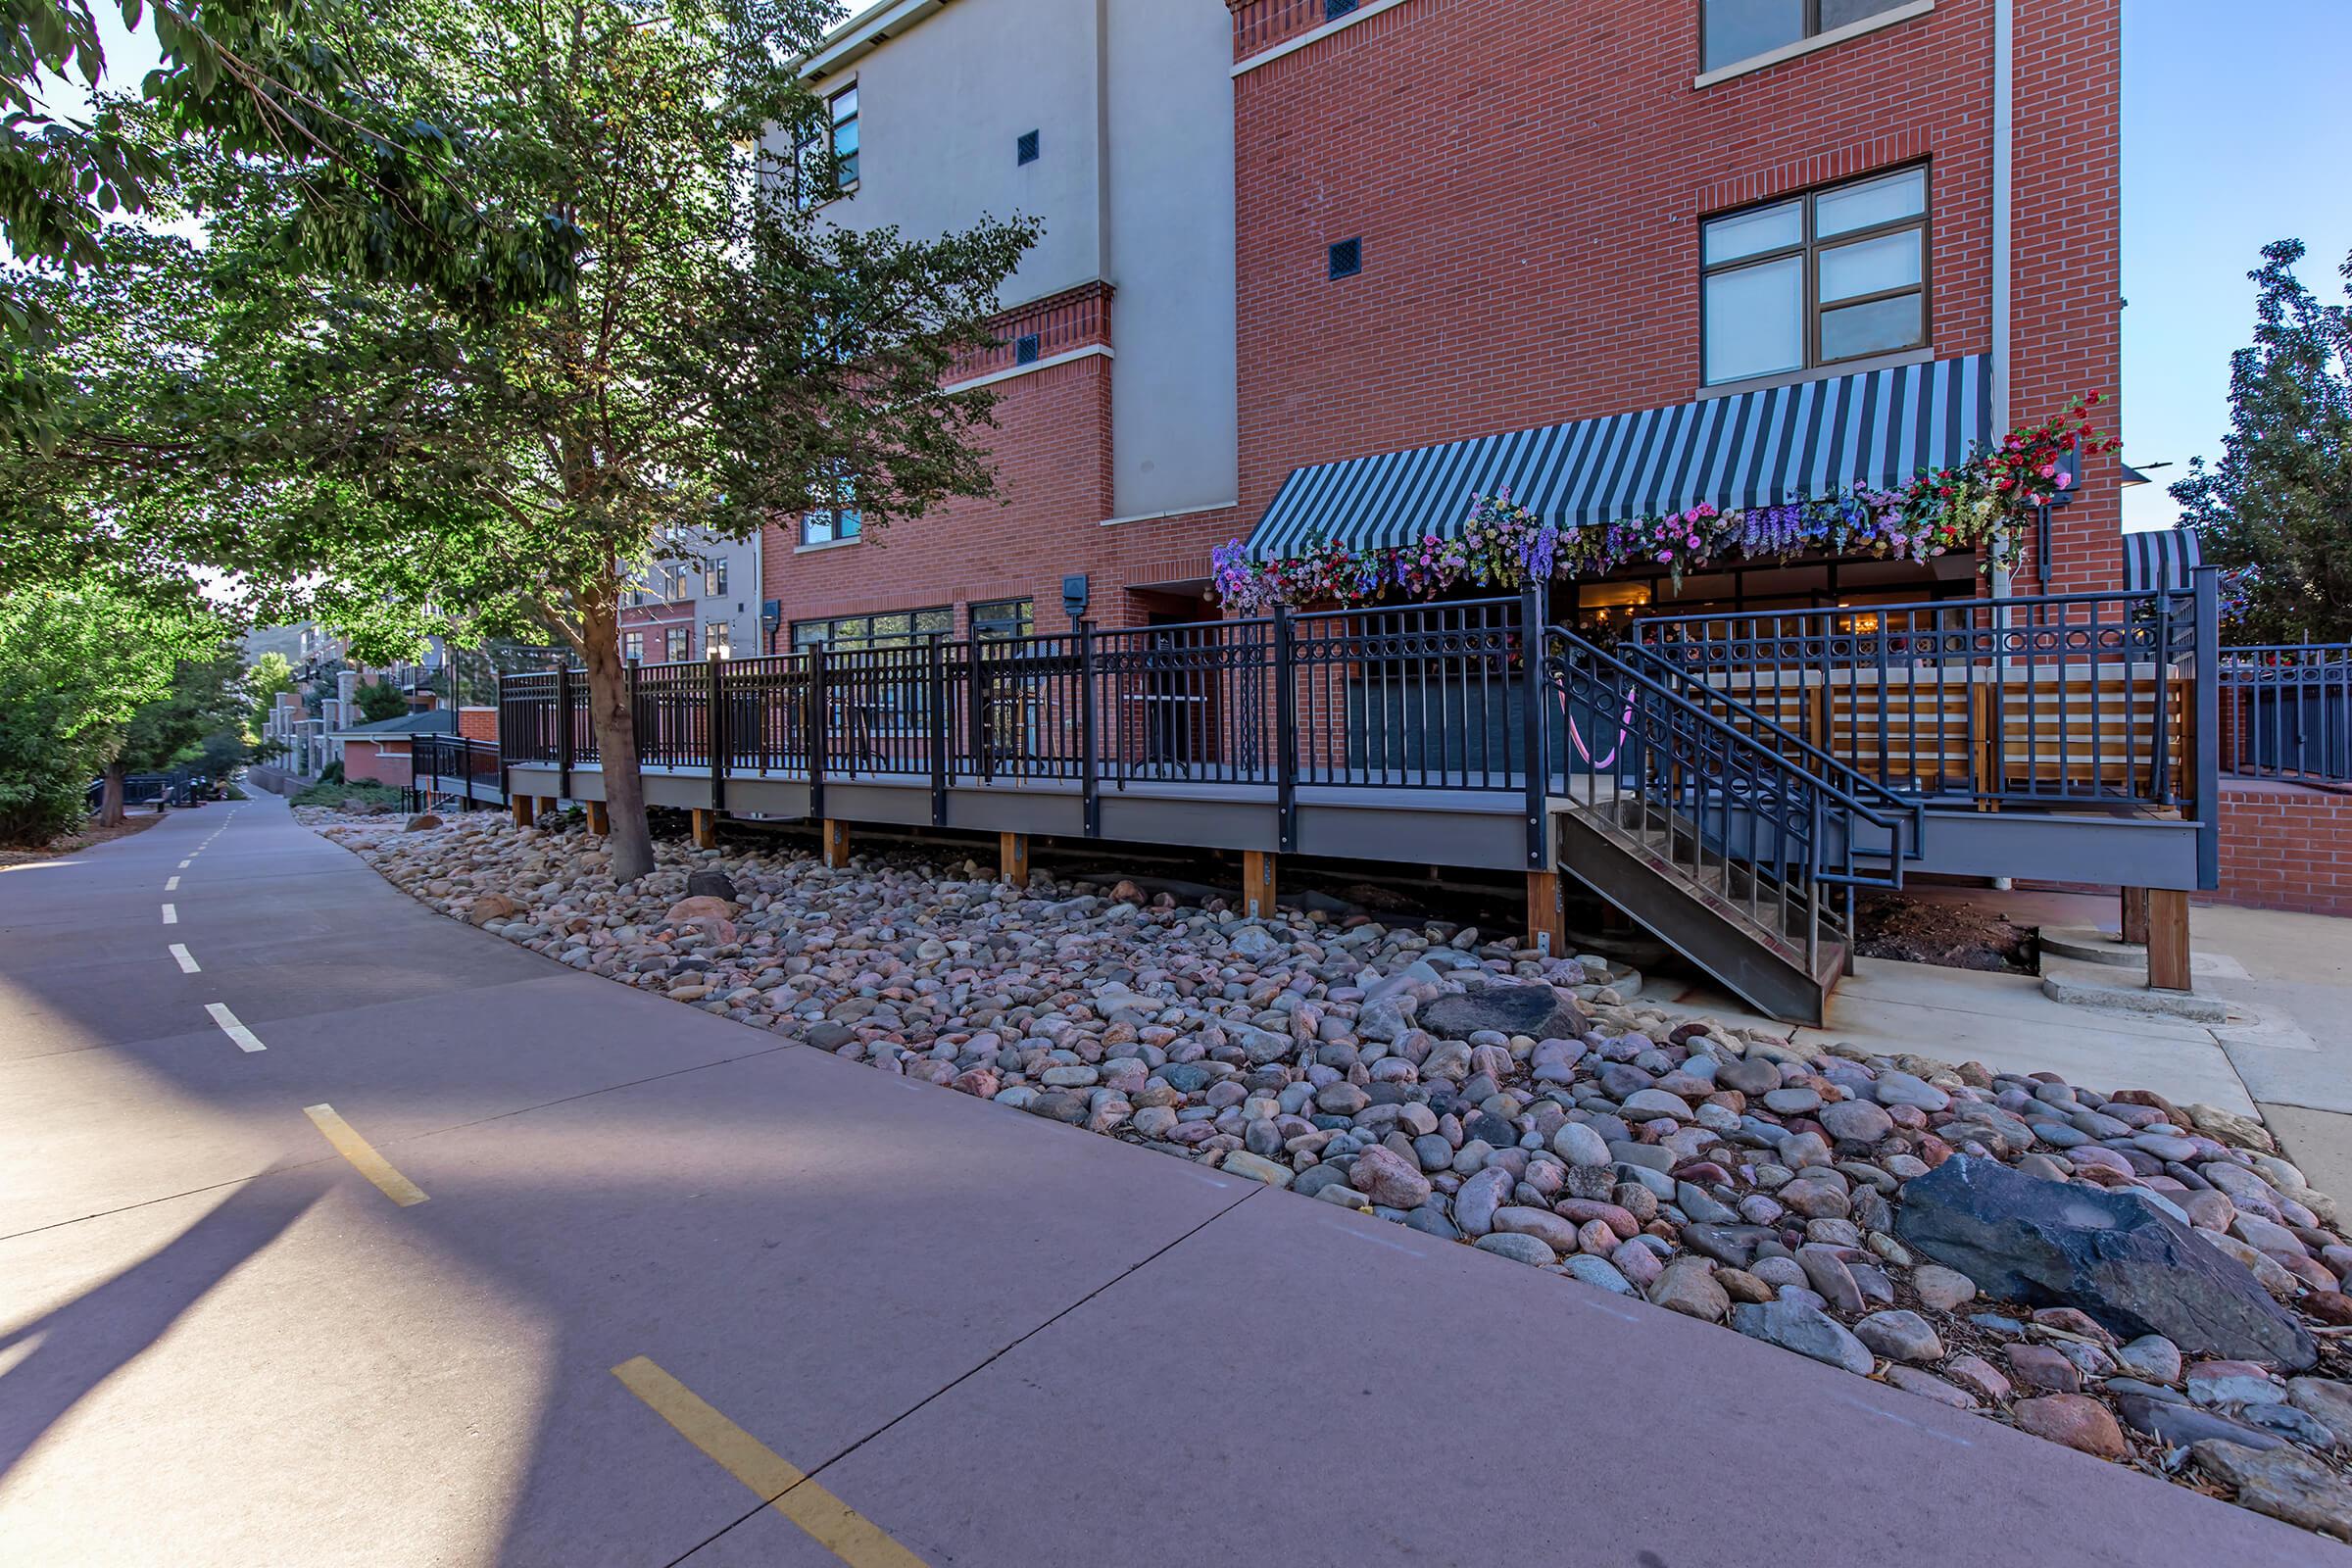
x,y
180,956
170,914
183,865
171,884
245,1038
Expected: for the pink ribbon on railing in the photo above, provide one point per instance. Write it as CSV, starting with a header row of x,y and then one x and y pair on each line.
x,y
1624,725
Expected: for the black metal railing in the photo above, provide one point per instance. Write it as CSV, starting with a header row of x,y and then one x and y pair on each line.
x,y
2061,700
1714,796
445,768
2287,712
1855,717
1420,698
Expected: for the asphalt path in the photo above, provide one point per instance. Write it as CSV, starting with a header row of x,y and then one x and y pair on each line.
x,y
333,1231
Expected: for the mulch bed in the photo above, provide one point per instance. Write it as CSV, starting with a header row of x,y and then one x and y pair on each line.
x,y
1954,936
76,842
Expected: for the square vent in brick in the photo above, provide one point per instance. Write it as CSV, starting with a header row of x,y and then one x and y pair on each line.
x,y
1024,150
1333,9
1025,349
1348,258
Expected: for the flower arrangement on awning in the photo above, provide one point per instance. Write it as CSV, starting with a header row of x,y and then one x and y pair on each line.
x,y
1976,505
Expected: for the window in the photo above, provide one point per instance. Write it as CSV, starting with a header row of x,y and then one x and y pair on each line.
x,y
900,628
1024,148
633,647
1004,617
677,644
1830,275
824,164
1333,9
836,516
718,639
715,578
1348,258
1026,348
1742,30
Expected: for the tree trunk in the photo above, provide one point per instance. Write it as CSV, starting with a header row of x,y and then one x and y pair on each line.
x,y
109,798
630,840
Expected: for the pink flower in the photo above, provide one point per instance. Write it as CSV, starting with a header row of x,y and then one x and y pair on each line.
x,y
2066,481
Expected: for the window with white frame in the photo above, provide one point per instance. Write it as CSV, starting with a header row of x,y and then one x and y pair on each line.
x,y
825,161
1835,275
718,639
715,578
677,644
1742,30
633,647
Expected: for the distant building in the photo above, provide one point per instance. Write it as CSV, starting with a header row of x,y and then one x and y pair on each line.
x,y
704,597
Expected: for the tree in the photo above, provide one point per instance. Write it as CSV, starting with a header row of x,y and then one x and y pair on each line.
x,y
380,700
721,358
2279,504
77,663
268,675
376,188
169,729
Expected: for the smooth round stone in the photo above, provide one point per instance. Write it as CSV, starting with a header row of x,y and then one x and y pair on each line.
x,y
1750,1075
1792,1102
1519,1249
1856,1121
1580,1144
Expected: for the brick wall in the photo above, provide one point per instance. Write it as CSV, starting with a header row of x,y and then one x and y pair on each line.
x,y
2287,846
1051,449
384,762
1528,183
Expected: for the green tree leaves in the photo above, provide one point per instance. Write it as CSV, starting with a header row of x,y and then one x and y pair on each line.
x,y
2280,501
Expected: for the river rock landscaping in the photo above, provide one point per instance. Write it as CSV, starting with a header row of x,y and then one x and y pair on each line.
x,y
2146,1283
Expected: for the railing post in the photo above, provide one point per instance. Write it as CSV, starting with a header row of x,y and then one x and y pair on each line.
x,y
1286,732
976,681
1090,778
1535,754
814,720
935,709
2208,664
563,729
715,733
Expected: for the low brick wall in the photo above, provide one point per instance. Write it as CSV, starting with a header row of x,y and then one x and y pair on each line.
x,y
2287,846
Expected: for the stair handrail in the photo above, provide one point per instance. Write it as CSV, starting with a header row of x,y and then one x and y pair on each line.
x,y
1910,807
1841,796
1777,792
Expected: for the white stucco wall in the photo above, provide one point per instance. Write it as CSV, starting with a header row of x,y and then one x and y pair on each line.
x,y
1133,104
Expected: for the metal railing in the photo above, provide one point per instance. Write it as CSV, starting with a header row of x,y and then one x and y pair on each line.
x,y
1414,698
454,767
1705,793
2287,712
2059,700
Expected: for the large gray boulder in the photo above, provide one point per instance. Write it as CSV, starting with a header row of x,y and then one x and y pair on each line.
x,y
2061,1244
1535,1010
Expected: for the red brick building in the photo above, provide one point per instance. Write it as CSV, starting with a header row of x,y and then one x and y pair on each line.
x,y
1462,219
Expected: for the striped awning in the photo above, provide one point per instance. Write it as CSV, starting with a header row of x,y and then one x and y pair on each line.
x,y
1748,449
2160,557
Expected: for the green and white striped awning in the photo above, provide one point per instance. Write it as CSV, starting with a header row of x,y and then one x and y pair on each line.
x,y
1748,449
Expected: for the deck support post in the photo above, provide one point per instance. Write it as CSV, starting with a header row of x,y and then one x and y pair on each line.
x,y
2133,930
836,844
522,808
1258,883
2168,939
600,821
1546,917
550,805
706,828
1012,858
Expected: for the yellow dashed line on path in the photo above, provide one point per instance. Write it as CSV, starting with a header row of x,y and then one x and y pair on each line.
x,y
827,1520
361,1153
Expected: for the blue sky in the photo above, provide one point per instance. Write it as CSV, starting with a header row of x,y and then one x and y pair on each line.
x,y
2233,136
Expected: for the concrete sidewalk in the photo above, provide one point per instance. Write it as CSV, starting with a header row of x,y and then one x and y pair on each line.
x,y
998,1340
